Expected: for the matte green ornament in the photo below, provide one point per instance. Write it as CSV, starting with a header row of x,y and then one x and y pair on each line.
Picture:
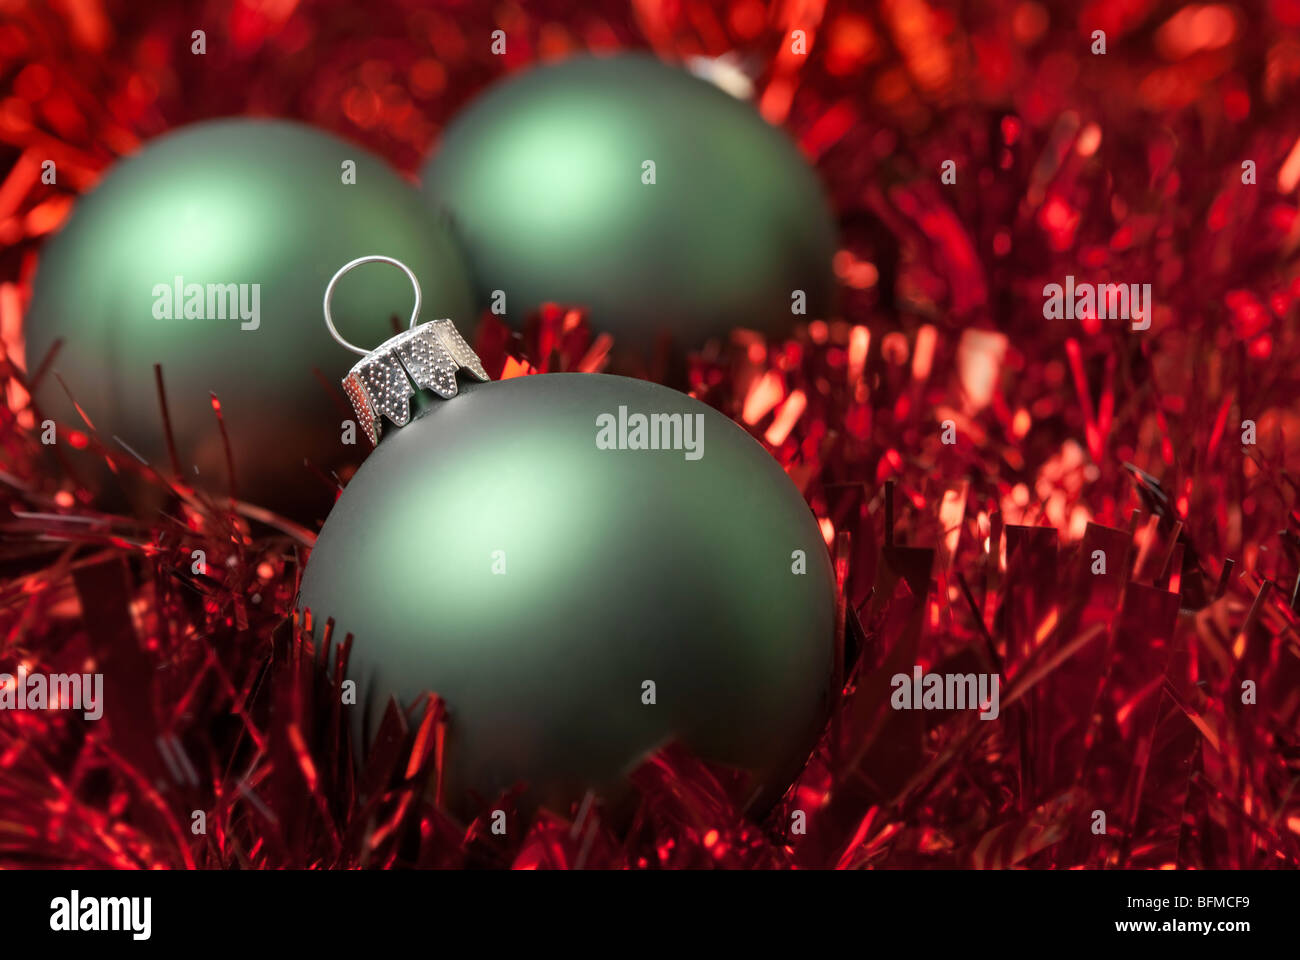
x,y
253,216
575,598
641,192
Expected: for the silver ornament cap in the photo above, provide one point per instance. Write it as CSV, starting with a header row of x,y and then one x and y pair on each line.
x,y
425,356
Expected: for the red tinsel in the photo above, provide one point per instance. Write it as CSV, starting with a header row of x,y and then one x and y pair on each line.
x,y
1122,692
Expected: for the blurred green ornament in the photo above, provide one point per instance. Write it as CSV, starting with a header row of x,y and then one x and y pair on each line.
x,y
641,192
576,599
207,253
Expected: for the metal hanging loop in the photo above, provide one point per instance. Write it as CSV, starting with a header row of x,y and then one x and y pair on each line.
x,y
329,294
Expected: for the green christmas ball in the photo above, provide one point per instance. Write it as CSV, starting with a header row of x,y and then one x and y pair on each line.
x,y
637,190
208,253
578,601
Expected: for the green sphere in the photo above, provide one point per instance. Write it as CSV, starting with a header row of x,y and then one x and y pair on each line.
x,y
254,216
545,178
507,551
